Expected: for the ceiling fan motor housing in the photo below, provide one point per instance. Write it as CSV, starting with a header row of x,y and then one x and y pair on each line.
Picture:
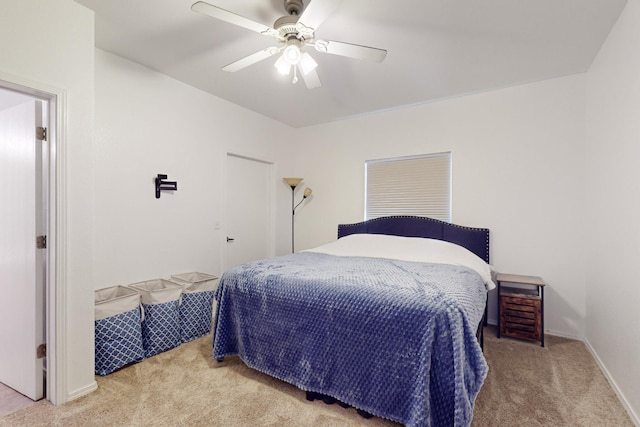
x,y
287,29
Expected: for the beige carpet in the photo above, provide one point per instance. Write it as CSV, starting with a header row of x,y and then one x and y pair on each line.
x,y
559,385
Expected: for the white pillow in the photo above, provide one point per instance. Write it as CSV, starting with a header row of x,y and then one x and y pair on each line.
x,y
415,249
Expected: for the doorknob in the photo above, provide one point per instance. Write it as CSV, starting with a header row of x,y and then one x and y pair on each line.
x,y
230,239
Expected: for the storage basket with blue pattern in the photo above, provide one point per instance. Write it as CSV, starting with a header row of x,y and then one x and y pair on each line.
x,y
118,330
161,315
197,304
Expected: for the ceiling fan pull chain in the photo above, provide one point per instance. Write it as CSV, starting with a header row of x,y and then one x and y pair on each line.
x,y
295,74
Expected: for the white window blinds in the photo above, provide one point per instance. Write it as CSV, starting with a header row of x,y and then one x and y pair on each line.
x,y
417,185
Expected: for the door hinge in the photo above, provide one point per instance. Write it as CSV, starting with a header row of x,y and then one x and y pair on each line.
x,y
41,242
41,133
41,351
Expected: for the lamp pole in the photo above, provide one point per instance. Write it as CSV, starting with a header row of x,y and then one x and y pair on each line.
x,y
293,213
293,183
307,193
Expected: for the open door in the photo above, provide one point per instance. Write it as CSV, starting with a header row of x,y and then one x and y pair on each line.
x,y
22,263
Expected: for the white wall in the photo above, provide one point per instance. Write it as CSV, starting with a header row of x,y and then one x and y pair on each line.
x,y
9,98
517,169
612,237
146,124
50,43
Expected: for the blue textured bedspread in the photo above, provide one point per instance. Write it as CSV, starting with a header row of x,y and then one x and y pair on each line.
x,y
393,338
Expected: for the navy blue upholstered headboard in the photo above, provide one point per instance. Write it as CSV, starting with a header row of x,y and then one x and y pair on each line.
x,y
474,239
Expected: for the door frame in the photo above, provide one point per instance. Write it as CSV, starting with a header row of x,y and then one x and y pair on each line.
x,y
225,211
55,275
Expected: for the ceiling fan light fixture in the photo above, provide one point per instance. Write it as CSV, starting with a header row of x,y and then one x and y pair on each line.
x,y
307,63
282,66
292,54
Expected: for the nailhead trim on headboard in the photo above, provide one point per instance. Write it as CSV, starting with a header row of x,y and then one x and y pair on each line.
x,y
476,240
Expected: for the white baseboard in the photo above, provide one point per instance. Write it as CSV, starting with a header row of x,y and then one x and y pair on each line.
x,y
634,417
82,391
563,335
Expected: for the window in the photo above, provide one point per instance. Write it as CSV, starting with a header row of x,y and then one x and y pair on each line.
x,y
416,185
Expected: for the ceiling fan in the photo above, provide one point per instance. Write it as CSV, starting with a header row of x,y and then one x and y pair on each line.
x,y
293,33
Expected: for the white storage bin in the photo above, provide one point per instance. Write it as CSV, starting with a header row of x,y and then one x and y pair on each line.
x,y
118,330
161,318
197,304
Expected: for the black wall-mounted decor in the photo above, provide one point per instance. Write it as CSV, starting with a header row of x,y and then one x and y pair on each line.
x,y
161,184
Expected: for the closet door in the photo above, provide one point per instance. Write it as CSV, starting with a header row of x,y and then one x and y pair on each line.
x,y
248,209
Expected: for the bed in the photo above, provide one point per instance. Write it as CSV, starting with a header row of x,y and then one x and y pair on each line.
x,y
384,319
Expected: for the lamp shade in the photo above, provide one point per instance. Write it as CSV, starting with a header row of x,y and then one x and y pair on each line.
x,y
292,54
293,182
307,64
283,66
307,192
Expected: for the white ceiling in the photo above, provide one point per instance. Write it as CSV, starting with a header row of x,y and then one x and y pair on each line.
x,y
436,49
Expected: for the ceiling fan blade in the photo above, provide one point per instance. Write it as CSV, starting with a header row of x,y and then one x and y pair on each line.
x,y
232,18
315,13
311,79
350,50
251,59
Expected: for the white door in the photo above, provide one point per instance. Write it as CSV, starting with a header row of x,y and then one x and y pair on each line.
x,y
248,210
21,263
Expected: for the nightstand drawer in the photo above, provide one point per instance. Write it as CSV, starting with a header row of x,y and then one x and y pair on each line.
x,y
520,317
530,333
519,304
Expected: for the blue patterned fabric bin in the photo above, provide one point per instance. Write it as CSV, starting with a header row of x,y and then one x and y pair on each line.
x,y
197,304
118,330
160,327
161,317
195,315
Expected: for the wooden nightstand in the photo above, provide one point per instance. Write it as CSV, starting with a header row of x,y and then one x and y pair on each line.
x,y
521,307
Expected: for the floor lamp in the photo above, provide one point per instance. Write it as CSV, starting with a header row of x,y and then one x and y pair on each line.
x,y
293,183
